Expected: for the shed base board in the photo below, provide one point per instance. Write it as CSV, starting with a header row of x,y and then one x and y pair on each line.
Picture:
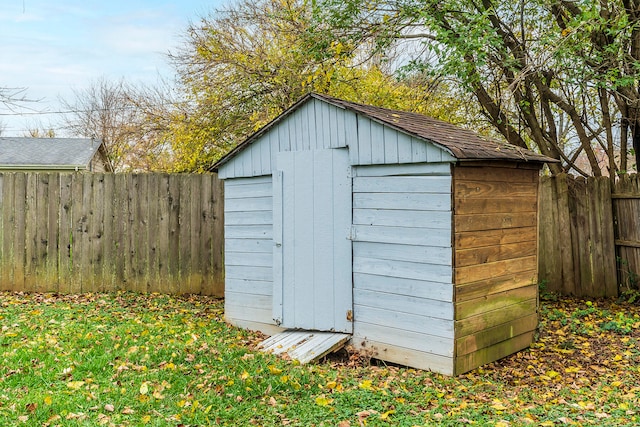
x,y
404,356
493,353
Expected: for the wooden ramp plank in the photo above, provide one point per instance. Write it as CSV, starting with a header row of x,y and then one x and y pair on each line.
x,y
304,346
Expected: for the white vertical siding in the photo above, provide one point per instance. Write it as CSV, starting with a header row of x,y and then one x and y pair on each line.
x,y
312,207
318,125
402,258
248,219
377,144
313,126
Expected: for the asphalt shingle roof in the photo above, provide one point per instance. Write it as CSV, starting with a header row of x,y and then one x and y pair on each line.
x,y
463,144
52,152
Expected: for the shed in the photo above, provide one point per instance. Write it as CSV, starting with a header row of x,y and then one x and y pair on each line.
x,y
413,236
53,154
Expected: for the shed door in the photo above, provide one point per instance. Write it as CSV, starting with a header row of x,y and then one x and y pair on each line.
x,y
312,252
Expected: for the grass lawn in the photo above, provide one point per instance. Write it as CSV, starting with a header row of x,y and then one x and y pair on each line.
x,y
131,360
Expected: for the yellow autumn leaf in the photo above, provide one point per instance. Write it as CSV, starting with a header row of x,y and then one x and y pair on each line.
x,y
323,401
616,384
498,405
144,388
244,375
146,419
385,415
365,385
274,370
48,400
552,374
331,385
75,385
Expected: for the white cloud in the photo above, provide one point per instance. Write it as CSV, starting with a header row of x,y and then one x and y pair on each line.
x,y
54,47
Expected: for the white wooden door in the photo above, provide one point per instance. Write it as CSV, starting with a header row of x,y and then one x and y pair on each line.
x,y
312,251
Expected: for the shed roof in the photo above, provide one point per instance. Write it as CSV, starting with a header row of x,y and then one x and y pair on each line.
x,y
463,144
53,153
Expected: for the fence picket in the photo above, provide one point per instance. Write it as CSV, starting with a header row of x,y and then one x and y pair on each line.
x,y
75,233
577,246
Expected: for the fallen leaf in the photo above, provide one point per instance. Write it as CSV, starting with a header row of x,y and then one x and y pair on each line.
x,y
144,388
75,385
274,370
323,401
109,407
365,385
385,415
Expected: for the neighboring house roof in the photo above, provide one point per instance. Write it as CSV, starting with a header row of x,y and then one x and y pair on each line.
x,y
21,153
463,144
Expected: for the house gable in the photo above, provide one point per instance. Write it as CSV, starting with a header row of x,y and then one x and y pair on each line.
x,y
52,154
316,124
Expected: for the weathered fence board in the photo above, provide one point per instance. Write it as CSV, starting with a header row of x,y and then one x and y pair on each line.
x,y
577,254
626,207
83,232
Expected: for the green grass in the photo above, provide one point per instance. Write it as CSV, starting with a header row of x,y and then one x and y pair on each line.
x,y
132,360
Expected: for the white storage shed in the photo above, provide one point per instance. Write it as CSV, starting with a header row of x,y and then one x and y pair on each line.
x,y
413,236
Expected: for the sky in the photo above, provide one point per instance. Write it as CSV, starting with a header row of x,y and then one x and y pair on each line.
x,y
52,48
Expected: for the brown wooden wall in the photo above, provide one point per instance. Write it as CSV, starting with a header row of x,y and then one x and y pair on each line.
x,y
84,232
495,262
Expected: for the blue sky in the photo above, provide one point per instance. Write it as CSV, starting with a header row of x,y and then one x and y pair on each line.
x,y
54,47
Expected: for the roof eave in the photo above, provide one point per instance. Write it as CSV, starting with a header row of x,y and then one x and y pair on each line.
x,y
43,167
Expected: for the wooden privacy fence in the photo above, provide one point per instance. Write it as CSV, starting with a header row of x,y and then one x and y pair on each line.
x,y
589,235
83,232
626,209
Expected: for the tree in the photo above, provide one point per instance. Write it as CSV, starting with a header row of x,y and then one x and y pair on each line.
x,y
242,66
103,111
557,75
41,132
10,96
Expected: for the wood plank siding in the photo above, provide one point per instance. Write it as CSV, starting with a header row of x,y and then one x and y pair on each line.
x,y
248,224
317,125
402,264
495,274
